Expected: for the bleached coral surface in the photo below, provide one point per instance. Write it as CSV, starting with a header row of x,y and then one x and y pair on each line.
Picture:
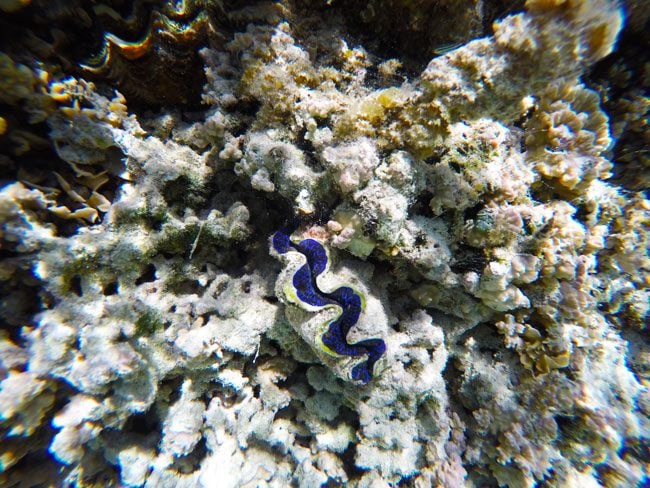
x,y
147,343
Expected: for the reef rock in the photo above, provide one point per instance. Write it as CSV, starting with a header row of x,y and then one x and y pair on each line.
x,y
350,263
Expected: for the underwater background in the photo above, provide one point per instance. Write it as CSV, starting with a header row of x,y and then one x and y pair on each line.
x,y
365,243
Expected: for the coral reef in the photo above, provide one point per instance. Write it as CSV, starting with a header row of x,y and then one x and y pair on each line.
x,y
461,289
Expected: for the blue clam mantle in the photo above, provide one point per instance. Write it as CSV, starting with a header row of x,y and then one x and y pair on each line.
x,y
334,339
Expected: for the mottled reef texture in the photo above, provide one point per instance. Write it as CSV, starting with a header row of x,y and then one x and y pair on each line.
x,y
475,170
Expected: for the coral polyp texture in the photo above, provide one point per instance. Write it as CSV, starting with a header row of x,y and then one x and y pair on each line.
x,y
254,244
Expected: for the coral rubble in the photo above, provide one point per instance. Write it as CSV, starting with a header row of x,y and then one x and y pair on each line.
x,y
468,186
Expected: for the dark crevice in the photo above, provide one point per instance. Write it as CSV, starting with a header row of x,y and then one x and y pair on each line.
x,y
246,286
147,276
622,83
349,465
247,107
227,395
236,265
111,288
468,259
454,166
472,212
171,386
191,462
421,205
75,285
143,424
309,151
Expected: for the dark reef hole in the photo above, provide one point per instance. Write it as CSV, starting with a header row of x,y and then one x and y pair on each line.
x,y
454,379
349,464
455,166
144,424
349,416
568,426
226,394
421,205
472,212
297,377
582,213
246,286
20,300
75,286
247,107
236,262
468,259
382,267
375,81
191,462
111,288
66,227
304,441
148,275
273,213
171,388
307,148
544,191
272,299
270,211
289,412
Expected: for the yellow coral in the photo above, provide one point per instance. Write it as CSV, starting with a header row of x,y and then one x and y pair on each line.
x,y
598,21
534,350
391,97
566,136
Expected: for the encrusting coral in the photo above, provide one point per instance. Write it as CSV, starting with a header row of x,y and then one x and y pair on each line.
x,y
460,295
